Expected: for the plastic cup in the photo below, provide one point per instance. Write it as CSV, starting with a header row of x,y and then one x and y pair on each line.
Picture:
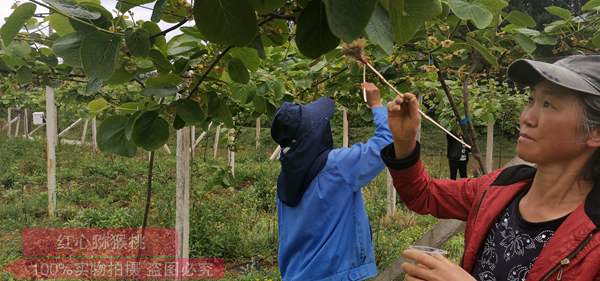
x,y
429,250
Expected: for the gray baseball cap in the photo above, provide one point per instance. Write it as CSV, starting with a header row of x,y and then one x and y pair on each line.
x,y
580,73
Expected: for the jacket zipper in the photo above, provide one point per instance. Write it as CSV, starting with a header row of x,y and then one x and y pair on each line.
x,y
566,261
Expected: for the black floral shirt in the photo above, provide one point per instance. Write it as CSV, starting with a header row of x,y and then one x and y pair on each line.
x,y
512,246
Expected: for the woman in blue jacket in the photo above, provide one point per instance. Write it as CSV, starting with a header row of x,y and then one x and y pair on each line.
x,y
324,231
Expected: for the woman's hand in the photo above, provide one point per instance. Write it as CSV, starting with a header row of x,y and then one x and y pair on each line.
x,y
432,268
404,120
373,95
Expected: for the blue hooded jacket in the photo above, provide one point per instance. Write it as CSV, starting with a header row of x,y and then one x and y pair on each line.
x,y
327,235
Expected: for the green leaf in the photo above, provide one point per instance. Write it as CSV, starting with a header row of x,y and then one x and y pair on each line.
x,y
138,42
189,111
237,71
555,26
98,105
313,36
228,22
60,24
176,11
130,107
266,6
224,115
545,39
24,75
112,139
521,19
124,5
478,13
596,40
15,22
379,30
592,5
163,85
93,86
485,53
104,21
560,12
160,61
150,131
525,43
72,8
527,31
248,56
68,48
178,123
408,16
260,104
348,18
158,10
495,6
99,53
120,76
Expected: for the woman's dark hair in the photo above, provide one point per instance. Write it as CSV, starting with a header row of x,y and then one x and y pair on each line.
x,y
591,105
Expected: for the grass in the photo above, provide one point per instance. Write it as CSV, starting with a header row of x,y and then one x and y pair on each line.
x,y
231,218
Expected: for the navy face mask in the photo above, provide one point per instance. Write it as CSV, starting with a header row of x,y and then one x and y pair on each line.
x,y
304,133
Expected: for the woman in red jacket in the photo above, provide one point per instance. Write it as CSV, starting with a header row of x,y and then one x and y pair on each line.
x,y
523,223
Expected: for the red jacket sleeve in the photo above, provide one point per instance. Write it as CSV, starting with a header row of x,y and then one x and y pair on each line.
x,y
442,198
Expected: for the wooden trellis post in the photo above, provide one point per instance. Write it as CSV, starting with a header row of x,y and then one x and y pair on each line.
x,y
230,152
9,121
94,132
51,138
216,144
489,149
257,133
25,123
84,133
182,212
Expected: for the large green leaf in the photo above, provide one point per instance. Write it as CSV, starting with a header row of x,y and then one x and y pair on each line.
x,y
189,111
138,42
495,6
237,71
176,11
560,12
163,85
230,22
596,40
592,5
104,21
379,30
15,22
249,56
525,43
60,24
24,75
521,19
478,13
112,139
150,131
98,105
72,8
408,16
161,62
125,5
99,53
158,10
313,36
348,18
266,6
485,53
68,48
